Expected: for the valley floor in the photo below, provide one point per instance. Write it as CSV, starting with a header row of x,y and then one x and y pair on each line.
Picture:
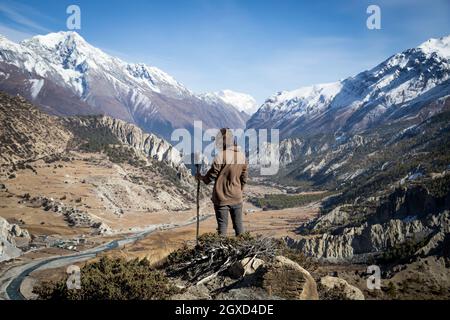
x,y
105,191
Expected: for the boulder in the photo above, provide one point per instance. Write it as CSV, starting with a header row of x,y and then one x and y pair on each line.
x,y
193,293
8,249
338,287
246,266
102,228
17,231
287,279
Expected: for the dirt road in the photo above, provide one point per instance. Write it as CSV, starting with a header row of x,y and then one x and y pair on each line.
x,y
11,280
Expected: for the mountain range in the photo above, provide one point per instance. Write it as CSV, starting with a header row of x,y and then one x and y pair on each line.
x,y
400,88
374,146
378,143
64,75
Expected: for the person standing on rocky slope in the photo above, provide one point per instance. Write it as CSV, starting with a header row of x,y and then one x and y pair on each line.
x,y
229,172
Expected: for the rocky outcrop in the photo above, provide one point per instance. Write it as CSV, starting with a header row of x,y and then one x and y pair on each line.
x,y
102,228
357,243
286,278
148,144
411,217
27,134
339,287
290,149
246,266
12,239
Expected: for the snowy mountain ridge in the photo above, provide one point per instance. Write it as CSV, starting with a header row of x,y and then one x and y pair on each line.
x,y
439,46
241,101
65,75
69,50
396,88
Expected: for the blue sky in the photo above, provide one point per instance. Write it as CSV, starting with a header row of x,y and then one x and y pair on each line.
x,y
257,47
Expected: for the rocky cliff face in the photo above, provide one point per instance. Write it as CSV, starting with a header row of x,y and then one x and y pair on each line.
x,y
407,219
147,144
28,134
360,164
11,238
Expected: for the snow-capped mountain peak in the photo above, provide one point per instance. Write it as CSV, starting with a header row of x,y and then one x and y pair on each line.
x,y
305,97
54,39
439,46
241,101
66,75
71,50
396,89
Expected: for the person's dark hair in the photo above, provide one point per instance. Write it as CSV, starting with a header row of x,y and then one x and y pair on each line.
x,y
227,138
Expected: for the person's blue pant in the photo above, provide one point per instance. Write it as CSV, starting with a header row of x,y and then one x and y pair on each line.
x,y
222,218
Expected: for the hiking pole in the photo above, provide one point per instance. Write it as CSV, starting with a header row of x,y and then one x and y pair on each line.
x,y
197,166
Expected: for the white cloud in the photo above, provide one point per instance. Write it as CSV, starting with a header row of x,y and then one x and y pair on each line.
x,y
19,15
